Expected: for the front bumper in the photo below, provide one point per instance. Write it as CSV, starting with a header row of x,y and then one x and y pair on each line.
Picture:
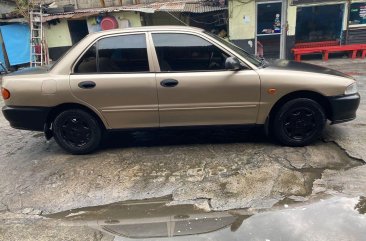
x,y
343,108
26,118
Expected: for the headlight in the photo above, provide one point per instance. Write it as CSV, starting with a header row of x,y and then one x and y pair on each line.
x,y
351,89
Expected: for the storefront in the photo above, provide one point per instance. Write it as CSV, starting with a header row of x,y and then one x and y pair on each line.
x,y
257,26
260,27
357,23
343,21
319,23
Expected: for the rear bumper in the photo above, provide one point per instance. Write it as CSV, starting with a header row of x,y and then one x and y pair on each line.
x,y
26,118
344,107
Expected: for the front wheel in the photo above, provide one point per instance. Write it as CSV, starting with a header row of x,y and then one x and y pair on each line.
x,y
77,131
299,122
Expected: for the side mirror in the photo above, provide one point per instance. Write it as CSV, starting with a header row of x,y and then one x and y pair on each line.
x,y
232,63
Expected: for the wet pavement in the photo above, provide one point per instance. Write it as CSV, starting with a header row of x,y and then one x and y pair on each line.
x,y
334,218
275,191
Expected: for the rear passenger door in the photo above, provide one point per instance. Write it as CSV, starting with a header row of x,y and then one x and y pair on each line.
x,y
195,88
115,77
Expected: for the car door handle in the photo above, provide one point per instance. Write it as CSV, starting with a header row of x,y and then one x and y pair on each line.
x,y
169,83
87,85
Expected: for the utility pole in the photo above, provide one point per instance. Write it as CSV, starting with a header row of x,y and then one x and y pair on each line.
x,y
283,29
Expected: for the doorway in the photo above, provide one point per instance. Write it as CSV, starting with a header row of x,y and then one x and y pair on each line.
x,y
78,30
268,30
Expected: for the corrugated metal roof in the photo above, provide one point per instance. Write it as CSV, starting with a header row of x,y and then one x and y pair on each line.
x,y
67,15
201,8
169,7
175,6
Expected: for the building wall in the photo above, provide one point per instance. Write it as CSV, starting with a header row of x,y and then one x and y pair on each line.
x,y
242,17
242,22
59,39
161,18
57,35
133,17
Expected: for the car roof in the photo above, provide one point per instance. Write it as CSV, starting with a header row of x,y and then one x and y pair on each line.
x,y
148,29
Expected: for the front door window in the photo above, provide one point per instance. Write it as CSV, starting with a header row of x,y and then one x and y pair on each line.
x,y
185,52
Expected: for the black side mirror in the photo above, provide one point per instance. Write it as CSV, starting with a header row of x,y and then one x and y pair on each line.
x,y
232,63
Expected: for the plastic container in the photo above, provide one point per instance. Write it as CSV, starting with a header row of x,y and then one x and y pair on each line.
x,y
109,22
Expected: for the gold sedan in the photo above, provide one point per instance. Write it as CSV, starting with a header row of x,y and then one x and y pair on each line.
x,y
168,77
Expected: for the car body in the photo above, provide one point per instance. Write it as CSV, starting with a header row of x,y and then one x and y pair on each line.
x,y
150,77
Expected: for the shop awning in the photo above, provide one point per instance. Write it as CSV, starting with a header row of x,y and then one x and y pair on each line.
x,y
16,41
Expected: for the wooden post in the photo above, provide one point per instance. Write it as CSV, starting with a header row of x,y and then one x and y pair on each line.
x,y
102,3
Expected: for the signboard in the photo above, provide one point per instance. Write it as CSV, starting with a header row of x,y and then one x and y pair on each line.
x,y
300,2
357,13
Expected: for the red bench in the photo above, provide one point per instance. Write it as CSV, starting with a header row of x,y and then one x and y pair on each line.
x,y
363,55
327,47
316,44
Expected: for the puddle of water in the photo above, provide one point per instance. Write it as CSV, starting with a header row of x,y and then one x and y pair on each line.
x,y
337,218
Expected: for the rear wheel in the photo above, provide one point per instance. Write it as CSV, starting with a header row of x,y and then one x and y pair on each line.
x,y
299,122
77,131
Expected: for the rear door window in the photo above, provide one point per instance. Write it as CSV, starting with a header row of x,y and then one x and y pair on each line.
x,y
125,53
117,54
88,63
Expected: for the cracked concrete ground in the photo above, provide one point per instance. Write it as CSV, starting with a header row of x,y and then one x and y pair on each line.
x,y
226,169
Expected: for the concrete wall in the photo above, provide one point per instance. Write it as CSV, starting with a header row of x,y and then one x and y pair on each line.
x,y
242,22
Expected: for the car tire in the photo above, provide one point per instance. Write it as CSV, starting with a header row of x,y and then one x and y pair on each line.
x,y
298,122
77,131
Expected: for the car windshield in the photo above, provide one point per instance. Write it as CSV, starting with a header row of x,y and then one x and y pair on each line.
x,y
251,58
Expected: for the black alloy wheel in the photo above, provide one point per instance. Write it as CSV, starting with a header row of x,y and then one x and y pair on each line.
x,y
77,131
299,122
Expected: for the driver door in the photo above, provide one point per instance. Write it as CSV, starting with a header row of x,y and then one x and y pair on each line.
x,y
194,88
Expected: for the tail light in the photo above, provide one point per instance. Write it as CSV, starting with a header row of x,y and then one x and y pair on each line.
x,y
5,93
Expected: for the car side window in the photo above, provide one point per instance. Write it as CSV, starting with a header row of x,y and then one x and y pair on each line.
x,y
127,53
117,54
185,52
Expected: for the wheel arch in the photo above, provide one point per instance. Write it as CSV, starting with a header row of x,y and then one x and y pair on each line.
x,y
67,106
319,98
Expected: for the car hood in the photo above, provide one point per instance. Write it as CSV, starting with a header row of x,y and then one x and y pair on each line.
x,y
305,67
